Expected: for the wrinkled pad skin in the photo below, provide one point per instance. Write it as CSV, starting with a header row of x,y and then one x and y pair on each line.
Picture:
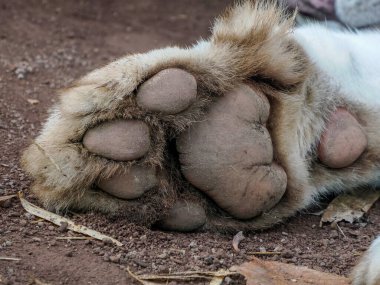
x,y
229,155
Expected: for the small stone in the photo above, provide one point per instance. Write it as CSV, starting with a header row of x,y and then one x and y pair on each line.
x,y
170,91
29,216
287,254
40,224
96,250
107,241
120,140
277,248
23,222
69,254
115,258
163,255
63,227
51,228
209,260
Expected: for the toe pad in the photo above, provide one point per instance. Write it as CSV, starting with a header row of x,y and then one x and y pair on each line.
x,y
120,140
170,91
343,141
130,185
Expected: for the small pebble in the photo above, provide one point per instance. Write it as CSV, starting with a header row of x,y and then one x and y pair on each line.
x,y
287,254
63,227
163,255
29,216
262,249
209,260
107,241
115,258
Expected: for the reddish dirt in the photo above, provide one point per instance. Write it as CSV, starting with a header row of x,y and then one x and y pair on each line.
x,y
44,45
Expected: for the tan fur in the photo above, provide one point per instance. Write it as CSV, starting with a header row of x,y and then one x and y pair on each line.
x,y
252,41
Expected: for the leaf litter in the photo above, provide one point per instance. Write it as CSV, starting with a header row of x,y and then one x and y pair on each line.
x,y
349,207
259,272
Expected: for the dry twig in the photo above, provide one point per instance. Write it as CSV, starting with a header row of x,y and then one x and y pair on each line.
x,y
58,220
215,277
9,258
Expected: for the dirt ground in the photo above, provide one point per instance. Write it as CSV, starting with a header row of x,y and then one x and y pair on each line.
x,y
44,45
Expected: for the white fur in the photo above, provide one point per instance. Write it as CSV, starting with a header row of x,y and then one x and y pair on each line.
x,y
374,263
367,272
351,59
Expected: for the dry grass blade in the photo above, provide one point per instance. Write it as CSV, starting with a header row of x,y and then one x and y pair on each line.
x,y
7,197
215,277
264,253
39,282
74,238
9,258
137,278
57,219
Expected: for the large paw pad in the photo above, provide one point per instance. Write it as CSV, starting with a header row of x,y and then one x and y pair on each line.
x,y
229,155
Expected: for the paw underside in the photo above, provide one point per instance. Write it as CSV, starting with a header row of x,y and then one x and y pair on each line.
x,y
178,138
